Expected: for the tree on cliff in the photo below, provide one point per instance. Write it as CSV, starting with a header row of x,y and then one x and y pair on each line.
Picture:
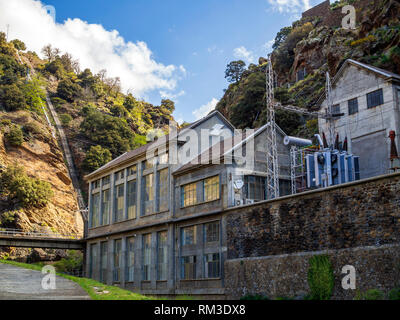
x,y
234,70
96,157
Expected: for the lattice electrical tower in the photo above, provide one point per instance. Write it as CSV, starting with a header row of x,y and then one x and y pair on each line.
x,y
272,149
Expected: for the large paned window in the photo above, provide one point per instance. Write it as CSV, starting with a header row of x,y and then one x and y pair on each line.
x,y
117,260
147,257
119,203
148,187
106,208
188,267
130,245
96,210
255,187
188,235
211,188
211,232
103,261
212,265
189,195
375,98
93,259
132,199
162,190
162,255
353,106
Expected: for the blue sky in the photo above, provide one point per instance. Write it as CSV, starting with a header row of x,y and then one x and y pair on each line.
x,y
198,38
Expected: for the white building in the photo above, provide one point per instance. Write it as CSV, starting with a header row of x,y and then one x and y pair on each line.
x,y
369,98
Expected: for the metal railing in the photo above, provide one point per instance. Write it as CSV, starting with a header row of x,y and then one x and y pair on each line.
x,y
38,234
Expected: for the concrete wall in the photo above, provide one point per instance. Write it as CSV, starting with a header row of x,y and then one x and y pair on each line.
x,y
368,129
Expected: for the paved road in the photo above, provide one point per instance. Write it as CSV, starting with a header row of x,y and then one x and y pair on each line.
x,y
24,284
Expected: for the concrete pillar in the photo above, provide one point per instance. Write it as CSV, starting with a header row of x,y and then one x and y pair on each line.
x,y
171,257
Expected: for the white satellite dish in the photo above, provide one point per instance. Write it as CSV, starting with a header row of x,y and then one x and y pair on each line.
x,y
238,184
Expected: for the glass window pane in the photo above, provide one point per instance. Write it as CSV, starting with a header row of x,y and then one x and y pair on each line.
x,y
189,235
212,265
117,260
188,267
132,199
211,231
163,190
211,189
96,210
189,194
146,256
106,208
119,203
130,264
148,187
103,261
162,256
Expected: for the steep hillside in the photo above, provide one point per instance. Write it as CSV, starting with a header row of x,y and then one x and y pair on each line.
x,y
310,47
101,123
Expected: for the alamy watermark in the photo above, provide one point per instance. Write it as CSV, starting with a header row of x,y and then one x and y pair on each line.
x,y
349,20
49,280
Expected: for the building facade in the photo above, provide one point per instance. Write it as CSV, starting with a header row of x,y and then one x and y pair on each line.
x,y
369,100
157,226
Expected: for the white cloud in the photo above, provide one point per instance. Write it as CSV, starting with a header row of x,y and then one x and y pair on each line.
x,y
205,109
290,6
94,47
268,45
170,95
244,54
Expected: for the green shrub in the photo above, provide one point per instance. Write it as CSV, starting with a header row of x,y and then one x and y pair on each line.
x,y
29,192
12,98
95,158
320,277
394,294
65,119
15,136
5,123
372,294
73,262
7,217
69,90
32,128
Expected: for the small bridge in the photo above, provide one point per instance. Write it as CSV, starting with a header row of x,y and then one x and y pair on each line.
x,y
22,239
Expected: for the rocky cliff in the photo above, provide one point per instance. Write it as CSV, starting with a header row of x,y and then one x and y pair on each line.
x,y
305,51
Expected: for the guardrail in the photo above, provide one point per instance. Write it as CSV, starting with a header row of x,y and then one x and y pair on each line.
x,y
37,234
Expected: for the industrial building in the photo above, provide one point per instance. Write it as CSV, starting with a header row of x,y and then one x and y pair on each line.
x,y
158,227
368,102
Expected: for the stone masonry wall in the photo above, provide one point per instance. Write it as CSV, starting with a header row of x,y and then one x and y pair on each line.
x,y
269,244
363,213
286,275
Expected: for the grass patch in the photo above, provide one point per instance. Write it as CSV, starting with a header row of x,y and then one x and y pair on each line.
x,y
96,290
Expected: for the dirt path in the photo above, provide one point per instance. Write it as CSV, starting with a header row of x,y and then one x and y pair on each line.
x,y
24,284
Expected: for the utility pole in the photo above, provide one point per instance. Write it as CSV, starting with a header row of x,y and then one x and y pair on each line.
x,y
272,149
329,111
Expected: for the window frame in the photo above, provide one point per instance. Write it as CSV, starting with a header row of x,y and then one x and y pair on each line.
x,y
184,241
214,187
215,266
352,108
193,266
190,190
146,257
370,96
162,252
